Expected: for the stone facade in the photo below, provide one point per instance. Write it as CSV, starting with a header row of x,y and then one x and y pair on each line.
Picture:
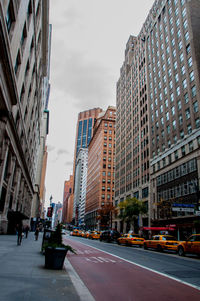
x,y
23,65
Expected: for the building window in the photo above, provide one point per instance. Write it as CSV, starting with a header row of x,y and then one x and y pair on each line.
x,y
187,113
189,129
176,155
193,90
188,49
182,134
10,17
195,107
183,150
178,91
179,105
181,57
184,12
187,36
191,147
197,123
190,62
191,76
168,129
186,97
184,82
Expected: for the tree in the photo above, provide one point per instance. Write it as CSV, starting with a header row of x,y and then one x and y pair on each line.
x,y
130,209
105,215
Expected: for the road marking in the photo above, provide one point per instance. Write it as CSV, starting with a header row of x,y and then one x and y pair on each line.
x,y
146,268
100,259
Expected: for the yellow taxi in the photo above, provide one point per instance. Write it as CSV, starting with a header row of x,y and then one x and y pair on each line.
x,y
95,235
75,232
162,242
80,233
123,239
131,239
87,233
191,245
83,234
135,240
91,234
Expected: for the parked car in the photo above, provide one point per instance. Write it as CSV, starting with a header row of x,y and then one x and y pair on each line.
x,y
83,234
131,239
109,235
191,245
75,232
87,233
162,242
91,234
95,235
123,239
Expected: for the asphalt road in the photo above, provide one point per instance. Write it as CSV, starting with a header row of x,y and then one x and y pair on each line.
x,y
131,269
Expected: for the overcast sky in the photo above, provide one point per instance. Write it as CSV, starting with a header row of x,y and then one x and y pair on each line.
x,y
87,52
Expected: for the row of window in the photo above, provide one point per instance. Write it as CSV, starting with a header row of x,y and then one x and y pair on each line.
x,y
180,190
177,172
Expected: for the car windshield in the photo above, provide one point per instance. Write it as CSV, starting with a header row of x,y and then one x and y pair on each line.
x,y
169,238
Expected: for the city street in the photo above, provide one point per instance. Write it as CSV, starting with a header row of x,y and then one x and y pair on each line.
x,y
127,273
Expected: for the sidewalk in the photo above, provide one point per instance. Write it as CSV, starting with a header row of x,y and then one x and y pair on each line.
x,y
23,276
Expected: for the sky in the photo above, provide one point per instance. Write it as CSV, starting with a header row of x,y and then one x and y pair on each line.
x,y
87,51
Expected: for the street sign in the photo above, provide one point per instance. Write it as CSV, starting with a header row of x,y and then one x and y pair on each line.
x,y
182,209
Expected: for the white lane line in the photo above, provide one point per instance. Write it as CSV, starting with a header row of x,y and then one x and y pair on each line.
x,y
146,268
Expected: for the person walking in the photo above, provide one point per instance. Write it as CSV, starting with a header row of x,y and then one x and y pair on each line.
x,y
19,230
36,233
26,231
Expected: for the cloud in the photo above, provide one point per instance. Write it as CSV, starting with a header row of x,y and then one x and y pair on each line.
x,y
50,148
85,81
69,163
62,151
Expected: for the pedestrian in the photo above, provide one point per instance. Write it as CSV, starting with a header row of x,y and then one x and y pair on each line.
x,y
26,230
19,230
36,233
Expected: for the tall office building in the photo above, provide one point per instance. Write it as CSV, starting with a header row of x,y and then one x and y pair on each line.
x,y
101,167
159,85
80,186
66,196
84,128
132,140
24,36
84,132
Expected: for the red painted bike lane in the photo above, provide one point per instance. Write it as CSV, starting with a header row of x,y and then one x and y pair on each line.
x,y
110,278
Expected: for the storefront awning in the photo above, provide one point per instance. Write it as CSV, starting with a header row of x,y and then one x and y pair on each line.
x,y
17,215
158,228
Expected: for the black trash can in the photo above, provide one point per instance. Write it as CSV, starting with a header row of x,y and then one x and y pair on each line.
x,y
54,258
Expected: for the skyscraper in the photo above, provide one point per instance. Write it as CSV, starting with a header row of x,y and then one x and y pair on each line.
x,y
84,132
101,169
158,119
24,34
